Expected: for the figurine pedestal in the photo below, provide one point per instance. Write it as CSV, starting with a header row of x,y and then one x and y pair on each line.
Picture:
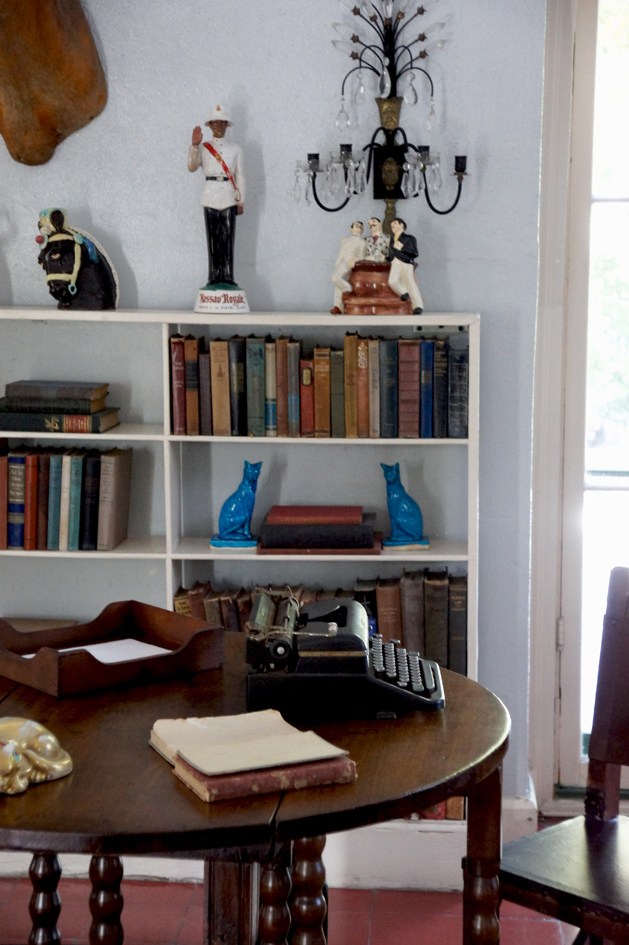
x,y
221,298
419,544
372,295
216,542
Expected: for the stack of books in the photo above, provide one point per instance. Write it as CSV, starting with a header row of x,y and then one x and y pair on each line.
x,y
57,407
372,388
319,529
248,755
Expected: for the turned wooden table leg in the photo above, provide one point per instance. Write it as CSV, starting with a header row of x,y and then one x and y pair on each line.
x,y
308,905
481,899
274,918
228,916
45,904
106,900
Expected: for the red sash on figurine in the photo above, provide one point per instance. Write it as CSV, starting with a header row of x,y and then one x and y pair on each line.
x,y
220,160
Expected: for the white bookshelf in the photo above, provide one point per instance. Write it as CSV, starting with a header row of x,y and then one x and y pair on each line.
x,y
179,483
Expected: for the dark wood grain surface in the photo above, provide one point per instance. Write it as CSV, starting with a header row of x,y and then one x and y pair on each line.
x,y
123,798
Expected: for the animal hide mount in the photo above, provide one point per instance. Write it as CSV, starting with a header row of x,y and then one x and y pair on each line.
x,y
78,271
51,79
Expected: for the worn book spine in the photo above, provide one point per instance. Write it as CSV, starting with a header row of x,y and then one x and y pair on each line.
x,y
440,388
408,388
50,390
181,602
412,603
255,386
212,608
458,367
16,493
64,505
229,611
60,422
389,608
292,370
221,398
195,597
425,388
315,515
58,405
457,624
388,389
362,388
4,493
74,508
30,501
178,384
265,780
89,507
337,394
436,616
270,390
114,498
43,482
319,536
191,352
237,386
281,385
455,808
374,388
54,502
205,394
243,606
322,392
306,394
350,366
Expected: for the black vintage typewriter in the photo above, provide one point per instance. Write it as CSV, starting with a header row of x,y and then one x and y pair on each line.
x,y
320,660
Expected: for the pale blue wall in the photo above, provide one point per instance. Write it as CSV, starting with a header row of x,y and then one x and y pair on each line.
x,y
124,180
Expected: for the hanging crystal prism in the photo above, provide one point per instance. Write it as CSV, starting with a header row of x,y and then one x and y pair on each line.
x,y
406,180
361,92
350,179
361,176
342,119
308,191
410,93
431,115
388,8
297,187
384,82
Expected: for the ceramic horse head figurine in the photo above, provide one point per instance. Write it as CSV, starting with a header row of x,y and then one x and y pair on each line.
x,y
407,524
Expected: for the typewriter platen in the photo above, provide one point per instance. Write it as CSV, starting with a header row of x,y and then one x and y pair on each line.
x,y
321,658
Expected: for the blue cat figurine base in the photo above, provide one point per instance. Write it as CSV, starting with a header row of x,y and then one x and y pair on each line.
x,y
407,524
234,522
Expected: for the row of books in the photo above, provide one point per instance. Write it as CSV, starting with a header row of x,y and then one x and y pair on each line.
x,y
425,609
57,407
372,388
58,499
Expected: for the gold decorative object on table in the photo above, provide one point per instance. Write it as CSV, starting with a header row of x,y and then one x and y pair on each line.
x,y
29,754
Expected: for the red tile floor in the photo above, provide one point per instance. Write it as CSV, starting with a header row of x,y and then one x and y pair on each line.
x,y
172,914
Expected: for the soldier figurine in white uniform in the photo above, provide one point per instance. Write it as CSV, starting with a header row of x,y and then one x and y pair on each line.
x,y
352,249
223,196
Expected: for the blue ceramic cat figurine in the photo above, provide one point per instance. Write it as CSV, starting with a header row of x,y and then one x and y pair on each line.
x,y
407,524
234,522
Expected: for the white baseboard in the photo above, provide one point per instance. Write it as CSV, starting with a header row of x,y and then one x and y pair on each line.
x,y
401,854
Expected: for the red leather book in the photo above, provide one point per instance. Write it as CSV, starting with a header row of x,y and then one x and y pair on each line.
x,y
191,350
306,391
315,515
281,385
30,502
178,384
362,387
408,388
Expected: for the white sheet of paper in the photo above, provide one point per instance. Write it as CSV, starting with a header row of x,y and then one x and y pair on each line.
x,y
115,651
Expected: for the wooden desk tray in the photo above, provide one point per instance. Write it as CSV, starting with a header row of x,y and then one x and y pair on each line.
x,y
195,646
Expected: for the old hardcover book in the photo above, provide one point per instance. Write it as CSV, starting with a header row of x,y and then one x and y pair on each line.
x,y
281,384
319,536
181,603
337,394
322,392
255,386
435,812
178,384
76,484
60,422
436,616
388,388
315,515
408,388
457,624
365,593
292,369
49,390
362,388
43,482
205,394
412,602
389,606
195,598
64,505
375,549
458,369
243,606
54,500
455,808
221,398
229,610
440,388
270,389
306,394
89,501
114,498
30,501
425,387
4,492
350,365
212,608
191,354
59,405
374,388
237,386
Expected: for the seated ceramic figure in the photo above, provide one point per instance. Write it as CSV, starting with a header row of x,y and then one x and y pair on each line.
x,y
407,524
234,521
29,754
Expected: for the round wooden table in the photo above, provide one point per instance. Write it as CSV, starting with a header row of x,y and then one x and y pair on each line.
x,y
122,798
